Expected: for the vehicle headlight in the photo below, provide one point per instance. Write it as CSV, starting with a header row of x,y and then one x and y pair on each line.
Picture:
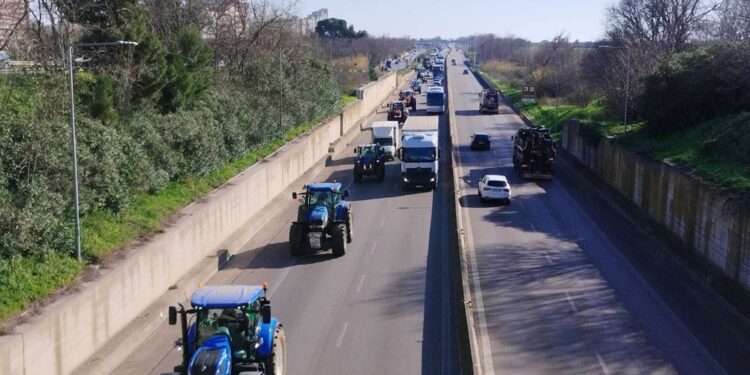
x,y
432,179
406,179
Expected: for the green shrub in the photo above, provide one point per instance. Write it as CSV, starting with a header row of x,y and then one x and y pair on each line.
x,y
698,85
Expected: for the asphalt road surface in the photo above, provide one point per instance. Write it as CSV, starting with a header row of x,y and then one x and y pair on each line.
x,y
383,308
564,283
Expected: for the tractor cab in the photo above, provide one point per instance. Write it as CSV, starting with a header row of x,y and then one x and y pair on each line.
x,y
232,331
370,161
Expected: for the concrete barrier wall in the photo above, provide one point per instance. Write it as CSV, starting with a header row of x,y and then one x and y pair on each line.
x,y
711,223
74,327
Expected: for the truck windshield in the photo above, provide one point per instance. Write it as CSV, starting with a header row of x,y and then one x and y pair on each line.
x,y
422,154
384,141
435,99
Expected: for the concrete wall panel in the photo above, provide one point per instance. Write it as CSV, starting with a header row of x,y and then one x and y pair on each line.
x,y
705,219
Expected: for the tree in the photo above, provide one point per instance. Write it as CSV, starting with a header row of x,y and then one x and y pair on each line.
x,y
188,72
663,26
102,101
13,13
734,20
336,28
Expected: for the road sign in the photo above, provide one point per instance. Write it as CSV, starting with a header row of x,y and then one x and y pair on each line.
x,y
528,95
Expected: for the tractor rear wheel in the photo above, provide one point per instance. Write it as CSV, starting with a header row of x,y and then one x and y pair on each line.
x,y
276,363
339,240
296,239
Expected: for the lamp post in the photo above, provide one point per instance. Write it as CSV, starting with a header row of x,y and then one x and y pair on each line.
x,y
627,79
73,143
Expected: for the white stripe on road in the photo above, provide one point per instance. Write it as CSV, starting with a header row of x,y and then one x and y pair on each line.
x,y
546,256
570,302
372,248
281,278
361,282
340,340
602,364
382,222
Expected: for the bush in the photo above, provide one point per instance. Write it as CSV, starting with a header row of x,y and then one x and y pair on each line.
x,y
695,86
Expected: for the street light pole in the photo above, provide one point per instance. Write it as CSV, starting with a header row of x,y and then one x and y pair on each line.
x,y
73,142
627,79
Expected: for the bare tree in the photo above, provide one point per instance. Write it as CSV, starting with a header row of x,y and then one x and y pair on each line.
x,y
13,14
734,20
664,26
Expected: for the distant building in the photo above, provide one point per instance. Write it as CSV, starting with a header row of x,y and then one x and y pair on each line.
x,y
14,20
226,16
307,25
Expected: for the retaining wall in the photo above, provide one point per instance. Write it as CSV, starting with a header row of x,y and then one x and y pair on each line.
x,y
71,329
711,223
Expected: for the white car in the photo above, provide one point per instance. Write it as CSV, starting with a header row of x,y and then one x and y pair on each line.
x,y
494,187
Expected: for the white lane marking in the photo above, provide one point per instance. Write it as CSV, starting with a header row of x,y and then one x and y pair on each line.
x,y
546,256
361,282
533,229
520,203
372,248
281,278
602,364
340,340
382,222
570,302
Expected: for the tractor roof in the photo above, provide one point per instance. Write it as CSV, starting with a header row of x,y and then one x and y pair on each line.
x,y
226,296
324,186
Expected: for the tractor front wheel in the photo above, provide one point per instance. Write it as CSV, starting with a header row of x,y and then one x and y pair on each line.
x,y
296,239
339,240
276,363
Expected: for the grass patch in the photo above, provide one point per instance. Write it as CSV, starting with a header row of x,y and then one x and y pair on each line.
x,y
347,99
716,150
553,117
29,279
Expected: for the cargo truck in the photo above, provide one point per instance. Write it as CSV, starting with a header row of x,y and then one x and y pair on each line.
x,y
385,133
419,152
534,153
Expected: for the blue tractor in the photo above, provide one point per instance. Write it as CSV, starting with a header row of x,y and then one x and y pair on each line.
x,y
324,219
231,332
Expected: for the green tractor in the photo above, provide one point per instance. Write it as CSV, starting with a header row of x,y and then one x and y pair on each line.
x,y
370,161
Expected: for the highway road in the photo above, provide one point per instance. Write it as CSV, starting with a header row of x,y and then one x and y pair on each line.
x,y
564,282
383,308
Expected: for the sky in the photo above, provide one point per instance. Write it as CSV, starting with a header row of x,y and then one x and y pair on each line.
x,y
535,20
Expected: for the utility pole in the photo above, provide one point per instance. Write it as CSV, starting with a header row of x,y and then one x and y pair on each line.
x,y
73,142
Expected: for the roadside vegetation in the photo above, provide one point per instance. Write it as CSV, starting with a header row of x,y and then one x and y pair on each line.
x,y
688,87
203,96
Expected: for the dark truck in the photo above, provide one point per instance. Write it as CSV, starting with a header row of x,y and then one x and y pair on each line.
x,y
534,152
489,101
